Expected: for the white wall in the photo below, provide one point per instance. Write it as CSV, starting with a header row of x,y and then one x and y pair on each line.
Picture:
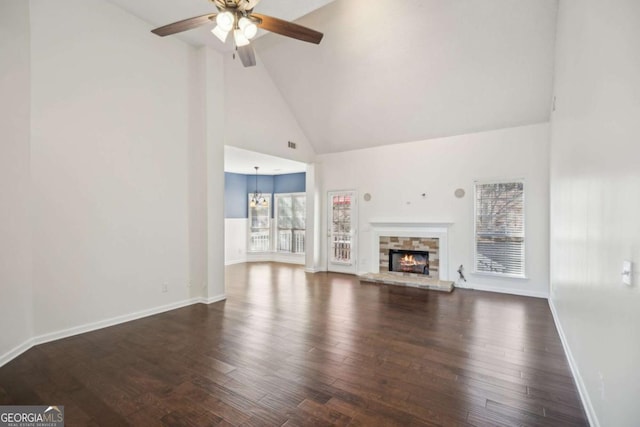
x,y
313,239
213,85
257,118
397,175
235,231
15,235
197,169
111,134
595,203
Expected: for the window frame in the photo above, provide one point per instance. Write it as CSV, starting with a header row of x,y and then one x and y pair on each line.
x,y
477,183
268,227
337,264
276,214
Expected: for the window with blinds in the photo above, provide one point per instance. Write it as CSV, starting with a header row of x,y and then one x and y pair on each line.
x,y
499,228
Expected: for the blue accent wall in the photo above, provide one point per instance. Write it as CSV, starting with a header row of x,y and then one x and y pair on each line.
x,y
235,195
290,183
265,184
238,186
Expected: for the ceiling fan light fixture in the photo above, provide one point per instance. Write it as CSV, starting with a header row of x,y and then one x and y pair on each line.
x,y
249,29
220,33
238,16
240,38
225,21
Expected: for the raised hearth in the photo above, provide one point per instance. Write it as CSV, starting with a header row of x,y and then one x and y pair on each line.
x,y
423,282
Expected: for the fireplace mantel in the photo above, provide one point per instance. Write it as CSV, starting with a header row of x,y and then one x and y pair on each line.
x,y
409,224
411,228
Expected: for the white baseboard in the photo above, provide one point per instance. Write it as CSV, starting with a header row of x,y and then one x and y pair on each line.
x,y
259,257
269,257
521,292
211,300
88,327
94,326
297,259
582,389
16,351
314,270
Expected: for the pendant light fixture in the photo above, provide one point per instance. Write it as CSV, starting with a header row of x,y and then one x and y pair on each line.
x,y
258,199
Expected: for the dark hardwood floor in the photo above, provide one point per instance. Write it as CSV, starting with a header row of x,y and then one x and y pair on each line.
x,y
295,349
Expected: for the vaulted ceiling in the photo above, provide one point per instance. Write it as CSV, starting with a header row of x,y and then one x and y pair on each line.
x,y
413,70
417,70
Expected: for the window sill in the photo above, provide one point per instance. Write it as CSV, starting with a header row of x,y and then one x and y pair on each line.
x,y
501,275
300,254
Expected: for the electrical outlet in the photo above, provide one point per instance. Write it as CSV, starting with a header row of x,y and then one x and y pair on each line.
x,y
165,287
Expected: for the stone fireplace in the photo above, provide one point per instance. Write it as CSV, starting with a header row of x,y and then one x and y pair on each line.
x,y
425,248
426,242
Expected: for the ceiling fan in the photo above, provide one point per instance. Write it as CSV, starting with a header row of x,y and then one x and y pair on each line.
x,y
237,16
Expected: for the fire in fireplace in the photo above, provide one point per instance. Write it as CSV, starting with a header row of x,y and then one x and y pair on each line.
x,y
407,261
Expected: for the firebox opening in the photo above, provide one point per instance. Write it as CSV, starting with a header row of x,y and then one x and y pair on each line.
x,y
407,261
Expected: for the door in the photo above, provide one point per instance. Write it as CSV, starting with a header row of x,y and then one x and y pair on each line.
x,y
342,233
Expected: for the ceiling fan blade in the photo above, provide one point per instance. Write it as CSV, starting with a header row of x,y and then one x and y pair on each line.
x,y
184,25
288,29
247,55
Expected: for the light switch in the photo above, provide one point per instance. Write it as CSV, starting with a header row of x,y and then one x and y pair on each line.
x,y
627,269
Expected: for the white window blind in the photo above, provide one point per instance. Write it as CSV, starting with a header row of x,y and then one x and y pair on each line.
x,y
499,228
